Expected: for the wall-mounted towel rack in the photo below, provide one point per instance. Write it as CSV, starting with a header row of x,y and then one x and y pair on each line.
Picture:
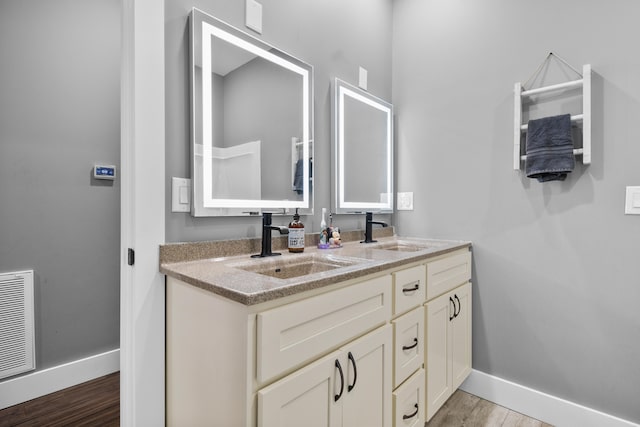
x,y
584,118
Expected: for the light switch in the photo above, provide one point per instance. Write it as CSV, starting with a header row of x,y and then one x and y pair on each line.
x,y
632,201
184,195
180,194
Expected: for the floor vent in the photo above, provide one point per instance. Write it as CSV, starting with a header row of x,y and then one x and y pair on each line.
x,y
17,349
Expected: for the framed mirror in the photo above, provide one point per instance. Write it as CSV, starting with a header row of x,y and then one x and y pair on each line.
x,y
362,151
252,129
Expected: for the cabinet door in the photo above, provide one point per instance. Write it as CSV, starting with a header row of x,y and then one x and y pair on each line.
x,y
438,314
461,336
367,397
304,398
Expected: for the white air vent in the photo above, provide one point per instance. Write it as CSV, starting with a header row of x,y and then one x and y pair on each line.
x,y
17,350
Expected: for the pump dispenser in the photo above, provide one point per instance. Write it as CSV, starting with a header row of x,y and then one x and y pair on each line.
x,y
296,234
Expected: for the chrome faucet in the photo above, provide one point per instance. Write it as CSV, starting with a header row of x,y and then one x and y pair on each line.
x,y
368,232
266,235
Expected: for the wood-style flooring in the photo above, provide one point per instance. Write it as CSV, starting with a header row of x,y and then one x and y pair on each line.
x,y
464,409
94,403
97,403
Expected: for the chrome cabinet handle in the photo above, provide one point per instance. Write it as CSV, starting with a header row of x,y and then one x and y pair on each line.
x,y
459,305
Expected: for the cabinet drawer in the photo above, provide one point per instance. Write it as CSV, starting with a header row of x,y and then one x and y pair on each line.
x,y
296,333
408,402
408,344
409,288
447,273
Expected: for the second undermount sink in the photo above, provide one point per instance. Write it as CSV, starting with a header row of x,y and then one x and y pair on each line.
x,y
297,266
407,245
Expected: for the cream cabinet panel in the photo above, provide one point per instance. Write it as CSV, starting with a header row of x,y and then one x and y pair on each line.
x,y
408,346
461,336
408,402
448,354
293,334
367,395
304,398
348,388
437,361
409,289
446,273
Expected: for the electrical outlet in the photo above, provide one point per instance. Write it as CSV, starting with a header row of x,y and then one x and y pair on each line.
x,y
405,201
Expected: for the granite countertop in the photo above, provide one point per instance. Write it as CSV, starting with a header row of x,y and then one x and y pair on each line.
x,y
226,269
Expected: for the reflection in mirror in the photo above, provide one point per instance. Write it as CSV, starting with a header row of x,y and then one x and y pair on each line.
x,y
363,151
252,109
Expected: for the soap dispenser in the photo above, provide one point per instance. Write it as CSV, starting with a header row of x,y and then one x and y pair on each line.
x,y
296,234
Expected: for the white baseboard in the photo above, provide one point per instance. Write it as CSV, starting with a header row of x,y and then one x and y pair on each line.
x,y
30,386
539,405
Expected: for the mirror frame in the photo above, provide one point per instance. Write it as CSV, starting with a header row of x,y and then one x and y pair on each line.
x,y
202,28
343,89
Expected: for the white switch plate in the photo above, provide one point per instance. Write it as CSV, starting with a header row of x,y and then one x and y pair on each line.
x,y
362,78
253,15
632,201
405,201
180,194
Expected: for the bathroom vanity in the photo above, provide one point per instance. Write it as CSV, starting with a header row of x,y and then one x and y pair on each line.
x,y
366,335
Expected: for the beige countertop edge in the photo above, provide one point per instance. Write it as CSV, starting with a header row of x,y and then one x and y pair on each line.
x,y
213,277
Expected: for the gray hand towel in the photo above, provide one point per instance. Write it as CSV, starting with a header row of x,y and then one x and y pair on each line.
x,y
549,148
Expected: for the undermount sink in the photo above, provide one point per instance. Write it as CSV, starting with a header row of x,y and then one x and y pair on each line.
x,y
407,245
297,266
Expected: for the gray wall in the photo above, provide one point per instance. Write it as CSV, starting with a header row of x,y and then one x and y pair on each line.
x,y
334,36
556,272
59,113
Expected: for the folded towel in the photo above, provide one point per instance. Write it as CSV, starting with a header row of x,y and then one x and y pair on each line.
x,y
298,185
549,148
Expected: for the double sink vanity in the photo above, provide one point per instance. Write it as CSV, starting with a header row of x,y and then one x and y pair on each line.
x,y
375,334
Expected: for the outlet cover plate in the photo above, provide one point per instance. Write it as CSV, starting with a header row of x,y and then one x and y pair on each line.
x,y
405,201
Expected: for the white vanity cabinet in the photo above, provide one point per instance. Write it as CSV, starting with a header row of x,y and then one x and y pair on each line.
x,y
234,365
448,328
349,387
385,349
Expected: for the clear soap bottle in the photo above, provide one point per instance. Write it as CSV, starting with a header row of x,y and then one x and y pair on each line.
x,y
296,234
